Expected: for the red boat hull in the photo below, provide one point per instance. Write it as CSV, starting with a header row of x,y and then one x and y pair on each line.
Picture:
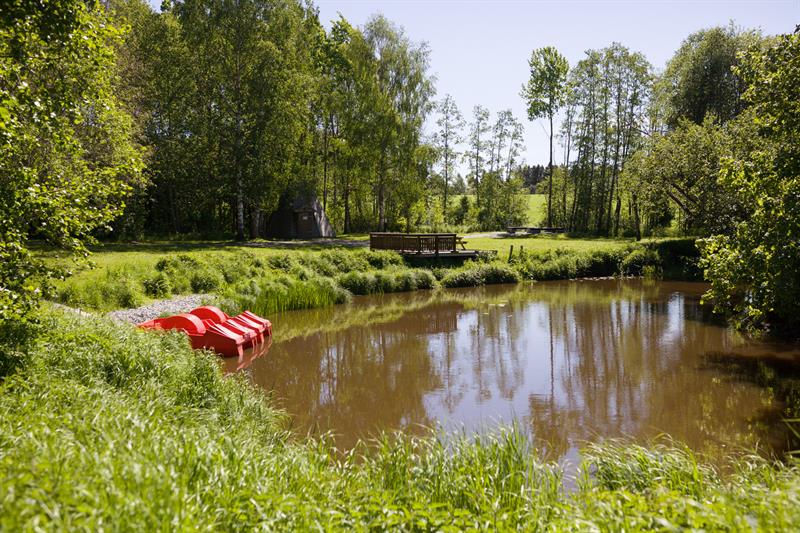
x,y
210,328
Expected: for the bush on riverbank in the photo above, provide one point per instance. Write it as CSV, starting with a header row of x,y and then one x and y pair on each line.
x,y
386,281
562,264
107,427
476,274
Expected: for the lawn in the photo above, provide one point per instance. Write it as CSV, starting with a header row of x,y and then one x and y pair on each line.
x,y
543,243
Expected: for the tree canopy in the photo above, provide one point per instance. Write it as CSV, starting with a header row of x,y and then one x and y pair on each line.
x,y
754,269
67,156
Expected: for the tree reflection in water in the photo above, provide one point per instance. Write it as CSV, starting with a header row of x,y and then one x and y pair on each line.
x,y
575,361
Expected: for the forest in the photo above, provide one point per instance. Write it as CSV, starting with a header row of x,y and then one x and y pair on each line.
x,y
230,109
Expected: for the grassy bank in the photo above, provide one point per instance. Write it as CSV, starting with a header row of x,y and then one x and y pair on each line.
x,y
106,427
267,280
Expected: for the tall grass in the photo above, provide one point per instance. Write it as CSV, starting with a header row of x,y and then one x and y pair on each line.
x,y
106,427
283,293
284,280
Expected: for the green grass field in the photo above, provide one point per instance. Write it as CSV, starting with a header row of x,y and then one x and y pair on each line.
x,y
543,243
536,206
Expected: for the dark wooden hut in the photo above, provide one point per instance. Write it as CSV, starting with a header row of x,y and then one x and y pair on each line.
x,y
301,217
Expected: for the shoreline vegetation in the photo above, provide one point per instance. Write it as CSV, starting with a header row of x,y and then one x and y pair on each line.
x,y
273,280
172,444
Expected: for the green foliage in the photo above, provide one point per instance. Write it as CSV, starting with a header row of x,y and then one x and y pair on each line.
x,y
157,286
127,429
565,264
636,262
475,274
283,293
701,78
605,118
547,89
393,280
681,167
677,258
118,288
754,271
503,202
446,140
206,281
65,148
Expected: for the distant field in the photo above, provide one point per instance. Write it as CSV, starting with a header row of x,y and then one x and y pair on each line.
x,y
536,206
542,243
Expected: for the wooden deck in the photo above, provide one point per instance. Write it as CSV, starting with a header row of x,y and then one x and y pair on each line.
x,y
443,245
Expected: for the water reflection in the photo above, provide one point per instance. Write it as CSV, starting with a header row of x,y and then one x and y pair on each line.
x,y
573,360
238,364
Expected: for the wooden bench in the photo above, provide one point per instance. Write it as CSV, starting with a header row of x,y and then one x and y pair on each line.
x,y
422,244
419,243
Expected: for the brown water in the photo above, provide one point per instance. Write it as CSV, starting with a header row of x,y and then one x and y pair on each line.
x,y
570,361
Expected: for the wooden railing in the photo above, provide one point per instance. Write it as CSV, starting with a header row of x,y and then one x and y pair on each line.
x,y
420,243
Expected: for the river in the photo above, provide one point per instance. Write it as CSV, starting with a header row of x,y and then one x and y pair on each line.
x,y
569,361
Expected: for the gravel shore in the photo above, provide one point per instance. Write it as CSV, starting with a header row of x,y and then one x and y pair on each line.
x,y
171,306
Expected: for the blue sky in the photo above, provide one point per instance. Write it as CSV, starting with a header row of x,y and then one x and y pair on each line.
x,y
480,49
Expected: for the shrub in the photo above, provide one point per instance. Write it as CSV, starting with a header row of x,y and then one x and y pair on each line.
x,y
358,282
206,281
637,260
319,264
283,262
344,261
425,279
475,274
178,262
157,286
125,293
383,259
284,293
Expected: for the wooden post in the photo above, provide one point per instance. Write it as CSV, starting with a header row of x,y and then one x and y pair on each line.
x,y
510,253
520,251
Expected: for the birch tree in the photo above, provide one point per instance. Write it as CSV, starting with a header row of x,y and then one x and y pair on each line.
x,y
447,139
545,93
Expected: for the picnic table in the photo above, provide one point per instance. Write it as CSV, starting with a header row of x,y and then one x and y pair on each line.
x,y
512,230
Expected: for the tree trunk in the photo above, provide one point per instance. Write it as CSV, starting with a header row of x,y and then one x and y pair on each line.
x,y
550,184
255,223
637,222
239,206
325,167
346,200
446,170
566,167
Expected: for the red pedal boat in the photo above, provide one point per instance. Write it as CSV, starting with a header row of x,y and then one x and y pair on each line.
x,y
209,327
